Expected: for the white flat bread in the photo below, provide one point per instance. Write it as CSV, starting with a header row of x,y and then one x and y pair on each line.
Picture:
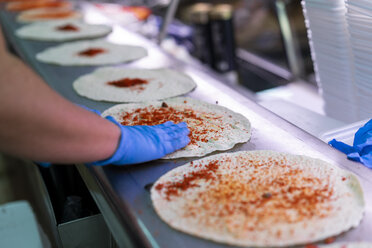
x,y
62,31
68,53
157,84
259,198
212,127
48,14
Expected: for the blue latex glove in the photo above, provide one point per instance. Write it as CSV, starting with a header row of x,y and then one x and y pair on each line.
x,y
144,143
361,151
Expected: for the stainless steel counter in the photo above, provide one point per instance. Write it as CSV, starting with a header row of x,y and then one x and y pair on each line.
x,y
122,193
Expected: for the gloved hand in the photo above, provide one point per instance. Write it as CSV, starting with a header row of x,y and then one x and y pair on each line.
x,y
361,151
144,143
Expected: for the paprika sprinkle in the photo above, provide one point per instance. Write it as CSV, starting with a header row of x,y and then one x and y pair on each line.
x,y
68,28
129,83
202,126
91,52
173,188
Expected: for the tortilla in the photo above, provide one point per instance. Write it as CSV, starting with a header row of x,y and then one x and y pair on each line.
x,y
102,84
212,127
90,52
35,4
48,14
62,31
259,198
347,245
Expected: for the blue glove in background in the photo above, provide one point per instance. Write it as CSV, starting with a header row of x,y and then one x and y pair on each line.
x,y
361,151
144,143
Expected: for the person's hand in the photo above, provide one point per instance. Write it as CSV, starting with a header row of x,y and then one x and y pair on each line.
x,y
144,143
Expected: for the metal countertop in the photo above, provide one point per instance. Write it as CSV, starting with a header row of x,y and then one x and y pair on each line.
x,y
122,193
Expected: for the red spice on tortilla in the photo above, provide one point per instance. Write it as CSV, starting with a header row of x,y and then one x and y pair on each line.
x,y
127,82
174,188
92,52
68,28
199,131
235,196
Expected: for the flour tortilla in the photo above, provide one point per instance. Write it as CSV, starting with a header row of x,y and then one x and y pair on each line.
x,y
220,134
35,4
348,245
162,83
244,201
48,31
67,53
38,15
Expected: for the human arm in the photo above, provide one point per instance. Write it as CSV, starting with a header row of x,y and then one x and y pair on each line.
x,y
38,124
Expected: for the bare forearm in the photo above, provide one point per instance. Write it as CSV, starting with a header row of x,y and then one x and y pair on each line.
x,y
38,124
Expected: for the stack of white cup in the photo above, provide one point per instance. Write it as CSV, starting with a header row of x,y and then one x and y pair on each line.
x,y
331,53
359,19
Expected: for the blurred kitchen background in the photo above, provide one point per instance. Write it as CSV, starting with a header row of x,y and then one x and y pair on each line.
x,y
263,41
259,47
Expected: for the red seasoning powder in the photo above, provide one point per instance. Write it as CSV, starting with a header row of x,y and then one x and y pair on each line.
x,y
91,52
198,122
134,83
264,192
68,28
173,188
